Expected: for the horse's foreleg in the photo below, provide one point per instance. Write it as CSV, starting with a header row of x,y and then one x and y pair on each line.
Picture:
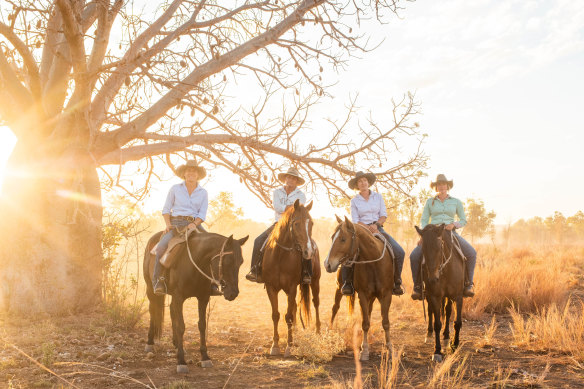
x,y
205,360
178,330
435,306
337,304
273,296
457,324
447,313
430,331
365,323
385,304
290,319
315,287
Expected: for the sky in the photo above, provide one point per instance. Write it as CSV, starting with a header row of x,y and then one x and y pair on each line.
x,y
502,91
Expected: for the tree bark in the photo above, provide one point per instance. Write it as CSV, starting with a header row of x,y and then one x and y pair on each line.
x,y
50,259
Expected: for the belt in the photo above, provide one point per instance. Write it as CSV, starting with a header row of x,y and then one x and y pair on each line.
x,y
187,218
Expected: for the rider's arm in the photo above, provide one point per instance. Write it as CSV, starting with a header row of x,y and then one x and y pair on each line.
x,y
278,202
461,215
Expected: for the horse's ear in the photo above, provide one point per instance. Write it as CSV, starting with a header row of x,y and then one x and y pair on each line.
x,y
309,206
243,240
296,204
229,240
419,231
349,224
339,220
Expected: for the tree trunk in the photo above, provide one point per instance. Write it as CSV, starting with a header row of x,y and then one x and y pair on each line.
x,y
50,240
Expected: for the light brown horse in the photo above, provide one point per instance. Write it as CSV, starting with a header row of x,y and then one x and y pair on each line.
x,y
288,244
373,275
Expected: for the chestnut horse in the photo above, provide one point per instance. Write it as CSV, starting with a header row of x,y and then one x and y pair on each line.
x,y
373,275
443,275
212,258
288,245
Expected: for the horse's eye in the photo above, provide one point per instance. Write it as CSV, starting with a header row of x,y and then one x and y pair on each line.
x,y
343,240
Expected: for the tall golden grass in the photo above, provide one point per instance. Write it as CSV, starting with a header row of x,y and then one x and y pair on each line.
x,y
523,278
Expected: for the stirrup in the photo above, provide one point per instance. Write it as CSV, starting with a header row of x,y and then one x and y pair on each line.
x,y
347,289
468,291
160,287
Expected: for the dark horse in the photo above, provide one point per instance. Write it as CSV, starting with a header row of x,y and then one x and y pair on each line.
x,y
213,258
288,244
443,275
373,274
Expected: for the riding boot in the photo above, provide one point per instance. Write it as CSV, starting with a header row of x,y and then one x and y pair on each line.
x,y
468,281
306,271
416,275
398,290
158,281
347,277
215,290
255,273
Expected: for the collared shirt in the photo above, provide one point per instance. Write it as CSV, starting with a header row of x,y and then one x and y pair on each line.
x,y
282,200
438,212
180,203
367,211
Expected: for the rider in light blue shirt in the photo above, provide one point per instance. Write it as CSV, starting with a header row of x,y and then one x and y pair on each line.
x,y
283,198
443,209
186,206
368,209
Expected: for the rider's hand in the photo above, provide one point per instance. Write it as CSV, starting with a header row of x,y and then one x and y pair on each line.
x,y
192,226
168,228
450,227
373,228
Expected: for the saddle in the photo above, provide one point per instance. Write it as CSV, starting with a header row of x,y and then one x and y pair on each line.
x,y
175,246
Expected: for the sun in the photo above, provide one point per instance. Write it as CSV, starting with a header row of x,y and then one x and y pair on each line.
x,y
7,142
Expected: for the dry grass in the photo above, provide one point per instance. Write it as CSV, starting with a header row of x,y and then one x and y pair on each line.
x,y
521,278
489,335
554,328
388,368
451,372
317,348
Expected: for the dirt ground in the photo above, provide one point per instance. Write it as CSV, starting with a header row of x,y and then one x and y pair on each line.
x,y
89,353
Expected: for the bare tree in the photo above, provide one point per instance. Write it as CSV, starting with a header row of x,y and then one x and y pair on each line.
x,y
86,84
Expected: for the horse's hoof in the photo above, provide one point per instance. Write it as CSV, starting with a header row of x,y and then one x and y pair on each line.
x,y
149,348
437,358
364,356
275,350
207,363
453,347
288,351
182,369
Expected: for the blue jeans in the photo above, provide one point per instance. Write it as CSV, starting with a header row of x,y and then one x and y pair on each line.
x,y
257,245
468,251
399,254
163,245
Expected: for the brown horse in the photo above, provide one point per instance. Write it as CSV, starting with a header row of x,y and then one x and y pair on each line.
x,y
373,274
443,275
212,258
288,245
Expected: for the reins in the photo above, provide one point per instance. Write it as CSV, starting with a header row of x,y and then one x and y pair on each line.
x,y
221,254
354,261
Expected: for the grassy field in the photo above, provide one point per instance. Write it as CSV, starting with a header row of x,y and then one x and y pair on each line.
x,y
525,328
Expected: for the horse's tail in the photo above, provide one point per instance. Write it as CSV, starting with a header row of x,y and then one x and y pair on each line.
x,y
156,314
305,301
351,303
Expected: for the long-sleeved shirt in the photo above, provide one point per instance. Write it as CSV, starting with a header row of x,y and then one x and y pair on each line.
x,y
281,200
367,211
180,203
438,212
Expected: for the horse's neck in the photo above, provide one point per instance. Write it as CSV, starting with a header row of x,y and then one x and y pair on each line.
x,y
369,246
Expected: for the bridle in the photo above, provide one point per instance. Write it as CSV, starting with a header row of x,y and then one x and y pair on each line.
x,y
354,252
221,282
444,261
296,246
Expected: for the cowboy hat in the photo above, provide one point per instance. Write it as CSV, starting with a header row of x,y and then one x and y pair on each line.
x,y
291,172
180,171
353,181
441,178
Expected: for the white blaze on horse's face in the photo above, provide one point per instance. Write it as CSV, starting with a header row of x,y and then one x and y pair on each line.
x,y
331,264
309,242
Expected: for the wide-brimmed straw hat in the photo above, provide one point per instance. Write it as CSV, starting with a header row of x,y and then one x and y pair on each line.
x,y
370,178
291,172
180,171
441,178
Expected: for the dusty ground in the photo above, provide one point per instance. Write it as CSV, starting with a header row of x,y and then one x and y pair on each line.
x,y
89,352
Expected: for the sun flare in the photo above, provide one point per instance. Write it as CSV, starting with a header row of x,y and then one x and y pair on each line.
x,y
7,142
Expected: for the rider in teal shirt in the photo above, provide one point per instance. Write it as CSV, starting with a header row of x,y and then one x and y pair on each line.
x,y
443,209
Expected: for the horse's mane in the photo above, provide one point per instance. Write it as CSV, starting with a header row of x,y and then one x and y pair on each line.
x,y
281,227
